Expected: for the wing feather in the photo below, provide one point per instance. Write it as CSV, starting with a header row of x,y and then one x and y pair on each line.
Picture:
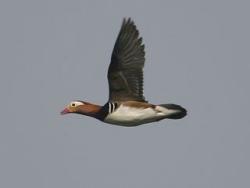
x,y
125,72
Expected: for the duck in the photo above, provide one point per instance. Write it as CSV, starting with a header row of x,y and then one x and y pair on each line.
x,y
126,105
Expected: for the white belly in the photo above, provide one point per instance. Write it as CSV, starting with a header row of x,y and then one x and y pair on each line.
x,y
128,116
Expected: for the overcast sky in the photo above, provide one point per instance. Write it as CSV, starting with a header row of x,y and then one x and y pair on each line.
x,y
55,51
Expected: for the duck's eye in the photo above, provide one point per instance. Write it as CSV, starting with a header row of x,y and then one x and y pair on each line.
x,y
73,104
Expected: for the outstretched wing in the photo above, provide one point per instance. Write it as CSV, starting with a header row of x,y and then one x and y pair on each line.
x,y
125,74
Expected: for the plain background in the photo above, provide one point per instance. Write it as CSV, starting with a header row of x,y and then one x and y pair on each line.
x,y
55,51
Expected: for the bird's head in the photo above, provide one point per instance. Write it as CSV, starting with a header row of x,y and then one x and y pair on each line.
x,y
81,107
73,107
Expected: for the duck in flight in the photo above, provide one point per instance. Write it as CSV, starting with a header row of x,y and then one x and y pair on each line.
x,y
127,105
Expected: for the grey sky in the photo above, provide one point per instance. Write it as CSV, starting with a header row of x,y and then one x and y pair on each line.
x,y
197,55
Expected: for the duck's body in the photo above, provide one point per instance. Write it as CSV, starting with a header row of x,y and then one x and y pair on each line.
x,y
127,105
134,113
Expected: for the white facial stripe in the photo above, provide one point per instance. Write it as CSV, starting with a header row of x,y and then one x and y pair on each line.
x,y
110,110
77,103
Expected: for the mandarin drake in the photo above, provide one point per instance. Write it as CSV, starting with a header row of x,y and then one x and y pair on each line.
x,y
127,105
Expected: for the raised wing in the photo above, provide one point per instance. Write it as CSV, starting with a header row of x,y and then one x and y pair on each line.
x,y
125,74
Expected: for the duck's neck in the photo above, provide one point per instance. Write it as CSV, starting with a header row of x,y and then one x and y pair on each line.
x,y
91,110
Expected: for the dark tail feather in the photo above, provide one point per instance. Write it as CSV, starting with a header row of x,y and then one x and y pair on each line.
x,y
179,112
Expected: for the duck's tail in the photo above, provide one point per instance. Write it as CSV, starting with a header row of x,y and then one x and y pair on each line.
x,y
177,111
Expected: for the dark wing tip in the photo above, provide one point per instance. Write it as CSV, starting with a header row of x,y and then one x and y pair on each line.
x,y
129,25
127,20
129,42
